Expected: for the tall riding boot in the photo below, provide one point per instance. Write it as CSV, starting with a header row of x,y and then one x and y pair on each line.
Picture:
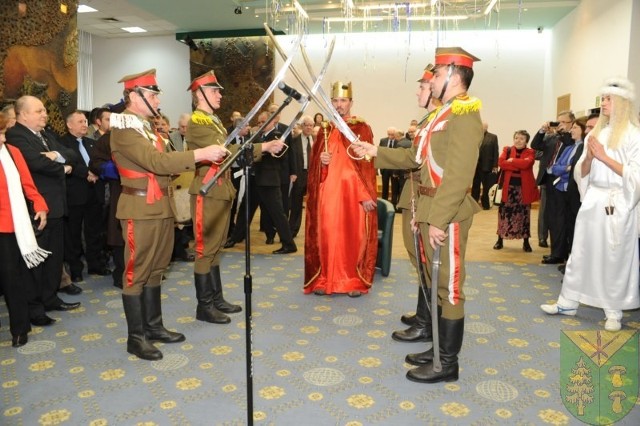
x,y
420,331
137,344
451,332
411,319
206,311
153,327
218,300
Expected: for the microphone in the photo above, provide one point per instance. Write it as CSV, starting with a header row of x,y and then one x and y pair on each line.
x,y
290,91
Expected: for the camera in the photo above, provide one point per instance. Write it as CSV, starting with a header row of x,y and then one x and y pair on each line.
x,y
237,10
554,123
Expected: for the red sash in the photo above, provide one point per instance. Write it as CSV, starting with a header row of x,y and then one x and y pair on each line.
x,y
154,192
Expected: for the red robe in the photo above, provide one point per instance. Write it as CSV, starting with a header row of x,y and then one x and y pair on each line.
x,y
341,242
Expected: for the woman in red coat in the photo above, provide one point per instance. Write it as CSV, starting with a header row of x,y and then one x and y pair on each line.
x,y
519,190
18,246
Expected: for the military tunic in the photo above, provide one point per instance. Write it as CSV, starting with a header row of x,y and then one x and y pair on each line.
x,y
447,154
211,212
146,208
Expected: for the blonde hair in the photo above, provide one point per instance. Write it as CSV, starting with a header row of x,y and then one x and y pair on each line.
x,y
622,114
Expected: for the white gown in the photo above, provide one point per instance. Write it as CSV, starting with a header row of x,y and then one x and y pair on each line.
x,y
602,270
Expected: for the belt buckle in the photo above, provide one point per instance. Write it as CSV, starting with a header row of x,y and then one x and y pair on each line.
x,y
170,190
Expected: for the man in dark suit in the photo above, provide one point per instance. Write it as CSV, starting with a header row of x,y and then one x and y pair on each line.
x,y
267,194
300,152
85,201
48,162
552,141
387,174
486,169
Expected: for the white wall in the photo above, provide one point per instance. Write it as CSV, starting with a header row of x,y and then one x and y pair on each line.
x,y
115,58
384,67
591,44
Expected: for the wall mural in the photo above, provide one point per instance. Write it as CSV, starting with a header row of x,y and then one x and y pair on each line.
x,y
39,53
243,66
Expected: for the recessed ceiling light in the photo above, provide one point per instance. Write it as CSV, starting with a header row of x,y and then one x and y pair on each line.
x,y
83,8
134,30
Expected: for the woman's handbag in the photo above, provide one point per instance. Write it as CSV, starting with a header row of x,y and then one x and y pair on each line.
x,y
495,193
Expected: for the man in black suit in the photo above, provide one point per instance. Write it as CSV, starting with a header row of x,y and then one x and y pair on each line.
x,y
268,195
85,201
486,169
551,140
387,174
48,162
300,152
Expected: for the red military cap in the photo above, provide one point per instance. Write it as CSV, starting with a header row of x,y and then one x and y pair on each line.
x,y
456,56
427,75
208,79
144,80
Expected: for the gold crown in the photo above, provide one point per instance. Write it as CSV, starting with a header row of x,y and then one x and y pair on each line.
x,y
341,90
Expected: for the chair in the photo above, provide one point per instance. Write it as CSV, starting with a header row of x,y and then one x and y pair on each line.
x,y
386,215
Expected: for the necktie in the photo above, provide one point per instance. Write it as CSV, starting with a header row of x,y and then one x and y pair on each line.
x,y
43,141
391,142
83,152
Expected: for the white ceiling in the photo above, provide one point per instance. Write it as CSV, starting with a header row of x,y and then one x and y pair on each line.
x,y
163,17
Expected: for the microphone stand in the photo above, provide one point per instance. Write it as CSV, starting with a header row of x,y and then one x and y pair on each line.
x,y
244,155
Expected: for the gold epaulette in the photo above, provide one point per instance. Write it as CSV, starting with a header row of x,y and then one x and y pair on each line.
x,y
355,120
201,118
125,121
465,104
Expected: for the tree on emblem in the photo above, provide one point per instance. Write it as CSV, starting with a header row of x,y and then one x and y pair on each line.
x,y
580,388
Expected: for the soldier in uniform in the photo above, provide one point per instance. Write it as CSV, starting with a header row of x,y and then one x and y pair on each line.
x,y
146,210
447,156
419,324
210,213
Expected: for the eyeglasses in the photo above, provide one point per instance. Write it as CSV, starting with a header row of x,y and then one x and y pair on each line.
x,y
566,122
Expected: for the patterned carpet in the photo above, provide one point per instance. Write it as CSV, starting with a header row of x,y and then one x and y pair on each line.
x,y
317,360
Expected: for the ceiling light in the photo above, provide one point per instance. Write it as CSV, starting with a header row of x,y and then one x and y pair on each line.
x,y
134,30
83,8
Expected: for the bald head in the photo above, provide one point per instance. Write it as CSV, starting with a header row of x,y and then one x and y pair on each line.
x,y
31,113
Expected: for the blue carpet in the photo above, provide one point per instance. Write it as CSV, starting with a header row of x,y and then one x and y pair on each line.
x,y
317,360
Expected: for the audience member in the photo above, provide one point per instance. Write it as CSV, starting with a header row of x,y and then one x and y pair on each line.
x,y
518,191
487,168
390,142
301,146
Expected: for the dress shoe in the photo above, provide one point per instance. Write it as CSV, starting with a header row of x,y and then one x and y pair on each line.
x,y
42,321
99,271
286,249
71,289
230,243
76,278
319,292
184,258
561,268
543,243
612,324
270,240
408,319
498,244
19,340
64,306
527,247
411,334
552,260
354,294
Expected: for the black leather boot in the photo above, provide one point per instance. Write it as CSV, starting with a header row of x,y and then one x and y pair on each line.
x,y
153,327
206,311
137,344
451,333
420,330
408,319
218,299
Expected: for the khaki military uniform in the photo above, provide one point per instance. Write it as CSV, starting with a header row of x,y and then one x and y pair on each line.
x,y
146,211
211,220
448,156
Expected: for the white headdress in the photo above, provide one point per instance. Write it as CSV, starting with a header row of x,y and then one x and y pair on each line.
x,y
620,87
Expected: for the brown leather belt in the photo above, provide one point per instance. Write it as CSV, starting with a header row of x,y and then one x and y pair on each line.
x,y
415,176
143,192
431,191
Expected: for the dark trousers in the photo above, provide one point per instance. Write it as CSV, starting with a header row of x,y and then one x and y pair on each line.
x,y
486,180
556,218
298,192
270,200
386,178
43,293
236,202
397,182
14,278
269,226
84,219
543,228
